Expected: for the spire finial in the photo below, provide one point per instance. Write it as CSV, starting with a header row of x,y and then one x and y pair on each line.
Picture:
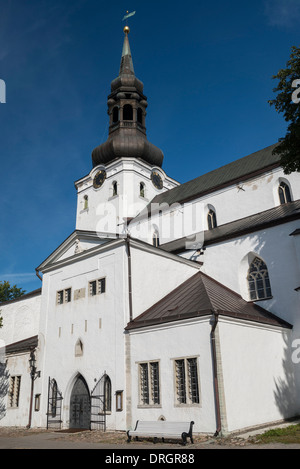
x,y
128,15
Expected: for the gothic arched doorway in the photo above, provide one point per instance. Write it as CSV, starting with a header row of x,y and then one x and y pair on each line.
x,y
80,405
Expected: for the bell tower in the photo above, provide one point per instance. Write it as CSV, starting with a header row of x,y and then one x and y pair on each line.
x,y
127,169
127,118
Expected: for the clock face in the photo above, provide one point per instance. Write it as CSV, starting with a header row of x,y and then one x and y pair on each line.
x,y
99,179
156,180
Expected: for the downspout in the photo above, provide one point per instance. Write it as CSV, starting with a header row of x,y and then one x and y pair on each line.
x,y
38,275
215,372
129,277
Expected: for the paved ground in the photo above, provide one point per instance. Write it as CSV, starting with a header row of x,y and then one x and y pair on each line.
x,y
15,438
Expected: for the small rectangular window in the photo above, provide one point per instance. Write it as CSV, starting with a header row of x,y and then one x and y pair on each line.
x,y
64,296
60,297
101,285
68,295
119,401
93,288
97,287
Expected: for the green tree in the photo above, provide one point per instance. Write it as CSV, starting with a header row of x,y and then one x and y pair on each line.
x,y
287,101
8,292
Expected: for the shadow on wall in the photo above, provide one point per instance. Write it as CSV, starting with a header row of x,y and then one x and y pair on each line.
x,y
285,392
4,384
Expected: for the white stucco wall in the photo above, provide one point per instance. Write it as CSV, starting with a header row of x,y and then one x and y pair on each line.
x,y
20,319
164,344
97,321
231,203
257,374
17,365
155,274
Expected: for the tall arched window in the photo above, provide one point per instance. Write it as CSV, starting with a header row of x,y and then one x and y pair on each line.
x,y
258,280
211,219
78,348
115,114
140,116
284,193
107,393
155,239
115,188
127,112
142,189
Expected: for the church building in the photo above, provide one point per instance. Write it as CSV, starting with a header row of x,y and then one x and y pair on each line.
x,y
168,301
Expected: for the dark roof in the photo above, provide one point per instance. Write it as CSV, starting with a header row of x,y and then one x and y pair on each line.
x,y
23,297
231,173
25,345
274,216
200,296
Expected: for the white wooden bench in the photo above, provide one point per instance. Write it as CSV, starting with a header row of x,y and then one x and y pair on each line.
x,y
162,429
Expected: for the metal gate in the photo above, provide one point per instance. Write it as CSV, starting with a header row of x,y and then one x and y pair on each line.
x,y
100,403
54,405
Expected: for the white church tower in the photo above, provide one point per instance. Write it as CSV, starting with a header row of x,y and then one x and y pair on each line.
x,y
127,169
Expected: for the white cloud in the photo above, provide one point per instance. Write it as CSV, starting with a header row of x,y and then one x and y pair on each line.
x,y
283,13
18,277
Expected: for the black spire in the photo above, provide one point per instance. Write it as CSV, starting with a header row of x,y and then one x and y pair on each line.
x,y
127,113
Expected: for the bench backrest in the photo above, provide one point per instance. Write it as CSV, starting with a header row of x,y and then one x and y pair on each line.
x,y
163,426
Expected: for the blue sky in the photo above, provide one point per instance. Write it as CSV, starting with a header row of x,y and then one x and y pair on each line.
x,y
207,70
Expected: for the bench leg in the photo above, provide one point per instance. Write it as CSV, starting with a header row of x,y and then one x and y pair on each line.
x,y
183,436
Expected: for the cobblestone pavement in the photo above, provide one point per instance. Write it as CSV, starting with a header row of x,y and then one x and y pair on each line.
x,y
17,438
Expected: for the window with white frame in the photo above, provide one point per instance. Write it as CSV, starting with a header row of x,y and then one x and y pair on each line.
x,y
14,391
97,287
149,390
186,381
211,219
284,193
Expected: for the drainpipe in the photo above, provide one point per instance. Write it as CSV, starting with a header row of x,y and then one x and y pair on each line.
x,y
215,371
129,277
38,275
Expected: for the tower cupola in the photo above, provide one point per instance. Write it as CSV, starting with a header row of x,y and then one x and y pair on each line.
x,y
127,115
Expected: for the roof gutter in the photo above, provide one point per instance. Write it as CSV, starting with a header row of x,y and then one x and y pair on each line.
x,y
215,373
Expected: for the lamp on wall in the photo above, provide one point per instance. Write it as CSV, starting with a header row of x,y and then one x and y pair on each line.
x,y
32,364
33,374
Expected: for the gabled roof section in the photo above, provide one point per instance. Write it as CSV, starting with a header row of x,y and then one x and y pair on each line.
x,y
78,243
232,173
25,345
201,295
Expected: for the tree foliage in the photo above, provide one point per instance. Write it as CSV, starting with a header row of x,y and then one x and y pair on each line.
x,y
9,292
287,102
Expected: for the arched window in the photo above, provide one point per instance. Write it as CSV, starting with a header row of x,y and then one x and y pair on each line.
x,y
155,239
115,114
127,112
115,188
142,189
258,280
284,193
211,219
107,393
140,116
78,348
86,202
